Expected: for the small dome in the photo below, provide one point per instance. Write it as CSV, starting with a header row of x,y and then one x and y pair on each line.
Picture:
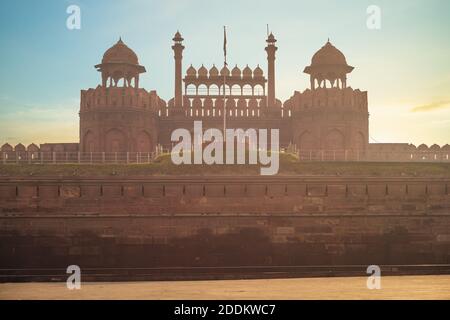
x,y
446,147
422,147
32,148
191,71
120,53
203,72
6,147
435,147
213,72
258,72
247,72
225,71
236,72
328,55
19,147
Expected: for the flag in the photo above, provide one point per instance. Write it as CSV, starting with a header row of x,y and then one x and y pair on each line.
x,y
225,45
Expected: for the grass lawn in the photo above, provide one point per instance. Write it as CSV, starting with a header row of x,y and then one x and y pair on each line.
x,y
289,165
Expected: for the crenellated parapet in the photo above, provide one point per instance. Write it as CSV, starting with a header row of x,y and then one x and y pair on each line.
x,y
237,107
7,148
33,152
325,98
120,97
408,152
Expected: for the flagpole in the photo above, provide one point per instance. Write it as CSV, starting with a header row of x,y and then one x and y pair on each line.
x,y
224,83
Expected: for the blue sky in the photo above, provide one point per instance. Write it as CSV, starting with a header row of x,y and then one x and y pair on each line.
x,y
403,66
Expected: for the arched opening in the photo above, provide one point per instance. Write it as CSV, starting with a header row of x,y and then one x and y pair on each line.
x,y
202,89
236,90
227,90
259,90
334,140
144,142
214,90
306,141
89,142
115,141
247,90
191,89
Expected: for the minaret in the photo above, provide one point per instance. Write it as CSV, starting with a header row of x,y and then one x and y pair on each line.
x,y
271,49
178,55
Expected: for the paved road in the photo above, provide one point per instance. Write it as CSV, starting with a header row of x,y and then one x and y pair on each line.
x,y
393,287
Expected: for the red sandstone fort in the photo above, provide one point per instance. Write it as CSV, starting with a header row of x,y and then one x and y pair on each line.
x,y
328,121
139,225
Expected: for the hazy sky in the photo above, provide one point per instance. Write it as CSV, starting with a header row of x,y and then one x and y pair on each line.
x,y
404,66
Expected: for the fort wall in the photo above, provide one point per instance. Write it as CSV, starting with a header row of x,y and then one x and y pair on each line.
x,y
223,221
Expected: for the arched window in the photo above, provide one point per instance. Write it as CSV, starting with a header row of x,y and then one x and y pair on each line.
x,y
236,90
202,89
334,140
259,90
227,90
214,90
247,90
191,89
306,141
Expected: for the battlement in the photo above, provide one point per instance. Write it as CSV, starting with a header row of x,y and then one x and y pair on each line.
x,y
239,107
408,152
33,148
346,98
107,97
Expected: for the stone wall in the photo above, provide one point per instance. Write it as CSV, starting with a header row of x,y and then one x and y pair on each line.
x,y
225,221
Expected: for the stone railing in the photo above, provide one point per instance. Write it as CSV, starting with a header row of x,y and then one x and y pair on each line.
x,y
25,157
373,155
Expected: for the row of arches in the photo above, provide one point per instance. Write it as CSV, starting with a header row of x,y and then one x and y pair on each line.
x,y
218,90
115,140
19,148
333,140
321,82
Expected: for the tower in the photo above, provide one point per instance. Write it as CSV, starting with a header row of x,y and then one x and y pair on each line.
x,y
271,49
178,56
330,120
117,116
